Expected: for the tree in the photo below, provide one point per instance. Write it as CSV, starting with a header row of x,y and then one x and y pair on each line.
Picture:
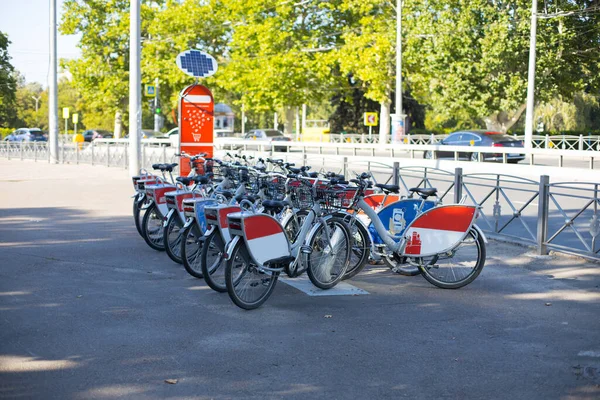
x,y
8,86
468,59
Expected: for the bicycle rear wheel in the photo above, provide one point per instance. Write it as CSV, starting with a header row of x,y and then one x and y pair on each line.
x,y
172,234
191,247
139,209
213,264
248,287
361,249
152,229
331,247
458,267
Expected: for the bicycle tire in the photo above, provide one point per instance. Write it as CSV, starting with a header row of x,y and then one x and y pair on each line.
x,y
361,249
191,250
213,264
154,235
138,212
474,242
240,266
399,266
172,235
316,270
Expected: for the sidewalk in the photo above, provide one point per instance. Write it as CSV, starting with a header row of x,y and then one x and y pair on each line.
x,y
88,310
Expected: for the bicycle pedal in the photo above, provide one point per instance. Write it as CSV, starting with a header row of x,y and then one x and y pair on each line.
x,y
306,249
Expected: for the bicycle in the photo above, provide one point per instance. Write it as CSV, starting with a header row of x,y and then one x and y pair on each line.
x,y
260,250
442,241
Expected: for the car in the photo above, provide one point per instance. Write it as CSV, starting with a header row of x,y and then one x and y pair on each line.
x,y
92,134
27,135
478,138
269,136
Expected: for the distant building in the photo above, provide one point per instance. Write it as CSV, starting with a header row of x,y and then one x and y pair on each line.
x,y
224,117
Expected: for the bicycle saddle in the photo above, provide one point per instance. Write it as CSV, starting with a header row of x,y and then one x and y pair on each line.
x,y
158,166
389,188
200,179
228,195
248,197
274,205
185,181
313,174
294,170
424,192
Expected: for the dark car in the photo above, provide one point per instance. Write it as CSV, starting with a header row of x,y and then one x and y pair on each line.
x,y
479,138
92,134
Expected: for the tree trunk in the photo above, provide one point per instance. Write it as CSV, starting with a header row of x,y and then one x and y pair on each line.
x,y
118,124
288,126
384,122
501,122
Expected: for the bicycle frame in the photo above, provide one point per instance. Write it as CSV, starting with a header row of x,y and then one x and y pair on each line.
x,y
434,231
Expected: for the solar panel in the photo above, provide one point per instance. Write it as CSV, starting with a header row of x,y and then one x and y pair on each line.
x,y
197,63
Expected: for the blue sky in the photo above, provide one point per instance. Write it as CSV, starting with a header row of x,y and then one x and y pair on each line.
x,y
27,24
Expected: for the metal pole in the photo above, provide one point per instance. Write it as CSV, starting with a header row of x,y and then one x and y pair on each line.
x,y
531,78
345,167
542,222
303,118
52,89
135,82
458,184
399,108
396,174
156,116
243,119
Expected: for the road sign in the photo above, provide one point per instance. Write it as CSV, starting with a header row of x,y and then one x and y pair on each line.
x,y
75,118
370,119
150,91
66,113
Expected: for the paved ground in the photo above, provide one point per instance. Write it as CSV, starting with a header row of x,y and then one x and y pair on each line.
x,y
88,310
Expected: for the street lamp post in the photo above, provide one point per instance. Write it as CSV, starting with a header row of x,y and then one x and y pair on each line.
x,y
531,78
398,117
135,82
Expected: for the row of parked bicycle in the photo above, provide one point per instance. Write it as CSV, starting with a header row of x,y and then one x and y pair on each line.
x,y
241,222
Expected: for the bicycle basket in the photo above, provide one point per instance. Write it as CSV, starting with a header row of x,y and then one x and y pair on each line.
x,y
301,197
336,199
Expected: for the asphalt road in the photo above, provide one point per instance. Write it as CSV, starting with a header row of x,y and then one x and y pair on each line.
x,y
88,310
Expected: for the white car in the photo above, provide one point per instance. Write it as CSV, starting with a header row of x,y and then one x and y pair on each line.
x,y
267,139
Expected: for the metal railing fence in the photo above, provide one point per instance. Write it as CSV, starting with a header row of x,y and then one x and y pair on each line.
x,y
561,216
558,142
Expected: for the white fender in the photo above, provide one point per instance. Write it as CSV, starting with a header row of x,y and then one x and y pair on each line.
x,y
480,233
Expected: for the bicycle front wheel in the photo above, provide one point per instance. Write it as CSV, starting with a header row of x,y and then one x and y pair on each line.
x,y
191,247
457,267
331,247
152,229
172,238
247,285
213,264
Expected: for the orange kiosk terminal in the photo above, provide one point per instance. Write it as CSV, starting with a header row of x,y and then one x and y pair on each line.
x,y
196,108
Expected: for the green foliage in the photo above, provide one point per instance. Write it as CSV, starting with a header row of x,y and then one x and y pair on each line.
x,y
466,60
8,85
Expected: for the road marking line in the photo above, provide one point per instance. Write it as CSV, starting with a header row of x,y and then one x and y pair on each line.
x,y
589,353
304,284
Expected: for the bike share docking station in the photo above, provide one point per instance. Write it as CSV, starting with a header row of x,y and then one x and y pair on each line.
x,y
195,107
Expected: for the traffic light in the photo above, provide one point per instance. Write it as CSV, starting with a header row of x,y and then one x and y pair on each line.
x,y
157,110
151,104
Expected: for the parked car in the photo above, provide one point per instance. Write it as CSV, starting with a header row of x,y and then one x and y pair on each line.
x,y
92,134
27,135
479,138
266,138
